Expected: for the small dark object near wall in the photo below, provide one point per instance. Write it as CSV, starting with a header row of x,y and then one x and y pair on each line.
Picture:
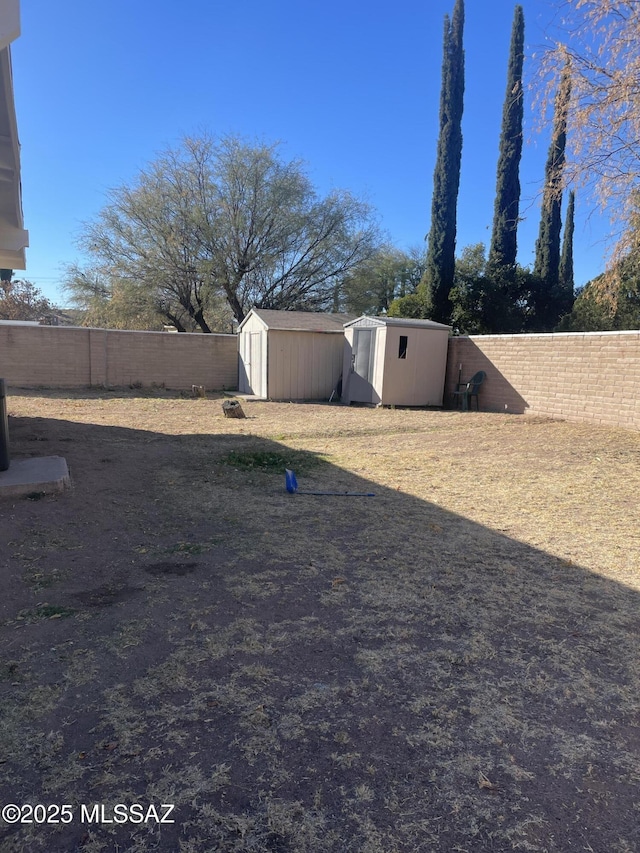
x,y
466,391
4,429
232,409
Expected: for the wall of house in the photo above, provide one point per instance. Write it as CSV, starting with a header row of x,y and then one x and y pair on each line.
x,y
56,356
581,376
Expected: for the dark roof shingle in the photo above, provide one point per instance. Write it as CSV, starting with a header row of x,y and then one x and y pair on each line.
x,y
303,321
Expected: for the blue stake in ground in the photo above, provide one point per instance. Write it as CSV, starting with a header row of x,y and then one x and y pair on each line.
x,y
292,487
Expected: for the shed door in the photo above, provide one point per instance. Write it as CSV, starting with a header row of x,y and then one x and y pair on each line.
x,y
253,363
361,380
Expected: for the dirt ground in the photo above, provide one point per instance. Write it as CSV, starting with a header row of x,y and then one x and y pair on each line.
x,y
450,665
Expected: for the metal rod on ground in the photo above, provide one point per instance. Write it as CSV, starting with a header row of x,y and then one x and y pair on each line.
x,y
5,460
292,487
337,391
339,494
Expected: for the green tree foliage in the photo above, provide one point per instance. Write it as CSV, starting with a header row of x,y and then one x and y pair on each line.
x,y
446,179
489,299
588,314
225,220
108,302
611,302
565,269
483,300
388,275
503,249
547,260
22,300
468,295
416,305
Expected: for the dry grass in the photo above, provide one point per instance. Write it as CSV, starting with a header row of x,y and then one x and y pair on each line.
x,y
450,665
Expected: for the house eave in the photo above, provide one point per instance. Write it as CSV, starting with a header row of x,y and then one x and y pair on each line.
x,y
14,239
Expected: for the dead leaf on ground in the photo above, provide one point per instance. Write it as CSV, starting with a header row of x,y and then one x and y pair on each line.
x,y
484,782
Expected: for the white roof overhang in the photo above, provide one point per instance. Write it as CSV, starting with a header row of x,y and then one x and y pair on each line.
x,y
13,237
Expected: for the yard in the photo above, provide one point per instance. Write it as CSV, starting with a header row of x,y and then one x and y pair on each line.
x,y
451,665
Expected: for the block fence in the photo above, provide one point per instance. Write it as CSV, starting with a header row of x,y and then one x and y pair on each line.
x,y
66,357
578,376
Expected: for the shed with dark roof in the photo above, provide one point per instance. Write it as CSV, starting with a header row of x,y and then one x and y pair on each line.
x,y
290,355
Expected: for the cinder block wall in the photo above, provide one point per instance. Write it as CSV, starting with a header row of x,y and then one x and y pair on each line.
x,y
44,355
73,357
580,376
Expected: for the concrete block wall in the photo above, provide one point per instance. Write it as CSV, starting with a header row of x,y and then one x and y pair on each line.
x,y
579,376
60,357
591,376
175,360
45,355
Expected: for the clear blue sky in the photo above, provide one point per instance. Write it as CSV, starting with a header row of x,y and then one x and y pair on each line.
x,y
349,87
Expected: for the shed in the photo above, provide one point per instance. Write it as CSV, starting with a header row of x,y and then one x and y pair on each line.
x,y
290,355
392,361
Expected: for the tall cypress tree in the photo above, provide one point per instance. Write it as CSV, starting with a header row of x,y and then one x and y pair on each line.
x,y
565,270
446,179
547,262
503,249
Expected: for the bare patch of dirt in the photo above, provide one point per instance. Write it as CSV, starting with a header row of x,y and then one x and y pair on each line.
x,y
167,568
449,665
106,595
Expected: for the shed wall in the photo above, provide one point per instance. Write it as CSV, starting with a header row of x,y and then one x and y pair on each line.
x,y
347,353
252,357
380,349
418,379
303,365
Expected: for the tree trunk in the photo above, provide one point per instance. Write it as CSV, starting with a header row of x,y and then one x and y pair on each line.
x,y
199,319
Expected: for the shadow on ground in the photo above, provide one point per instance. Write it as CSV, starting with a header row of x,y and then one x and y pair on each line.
x,y
299,673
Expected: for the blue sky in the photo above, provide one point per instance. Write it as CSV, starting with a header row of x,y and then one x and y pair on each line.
x,y
349,87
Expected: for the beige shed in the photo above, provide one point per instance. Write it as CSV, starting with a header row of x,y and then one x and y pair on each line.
x,y
290,355
390,361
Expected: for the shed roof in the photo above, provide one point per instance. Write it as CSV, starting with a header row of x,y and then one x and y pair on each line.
x,y
300,321
397,321
19,323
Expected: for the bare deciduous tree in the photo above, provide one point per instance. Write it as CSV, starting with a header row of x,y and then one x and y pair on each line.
x,y
388,275
22,300
601,40
229,221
